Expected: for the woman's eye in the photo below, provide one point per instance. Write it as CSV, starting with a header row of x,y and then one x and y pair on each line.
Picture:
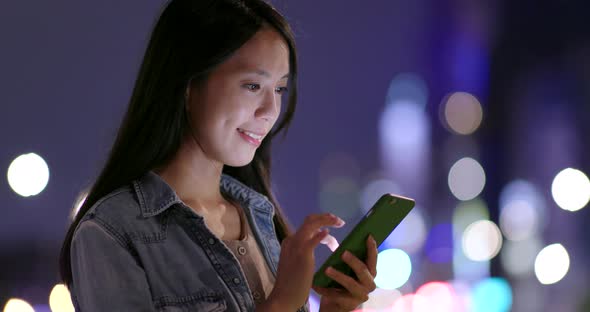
x,y
281,90
252,86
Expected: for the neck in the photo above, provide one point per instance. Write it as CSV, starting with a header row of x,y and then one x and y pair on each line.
x,y
193,176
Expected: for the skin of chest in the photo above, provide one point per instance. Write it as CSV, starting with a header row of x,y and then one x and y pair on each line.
x,y
223,220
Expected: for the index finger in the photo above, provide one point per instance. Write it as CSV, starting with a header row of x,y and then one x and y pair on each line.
x,y
313,223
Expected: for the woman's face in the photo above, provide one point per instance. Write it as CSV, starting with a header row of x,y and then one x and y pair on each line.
x,y
238,104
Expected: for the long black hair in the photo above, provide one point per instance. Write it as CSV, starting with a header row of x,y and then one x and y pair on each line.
x,y
189,40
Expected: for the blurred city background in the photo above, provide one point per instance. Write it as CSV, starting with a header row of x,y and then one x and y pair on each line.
x,y
477,109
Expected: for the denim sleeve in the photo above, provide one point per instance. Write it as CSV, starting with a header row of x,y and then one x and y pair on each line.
x,y
106,277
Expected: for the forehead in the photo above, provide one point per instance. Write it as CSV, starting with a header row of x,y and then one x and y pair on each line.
x,y
266,51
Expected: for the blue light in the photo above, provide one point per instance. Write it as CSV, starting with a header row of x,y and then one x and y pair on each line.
x,y
439,244
407,87
394,267
492,295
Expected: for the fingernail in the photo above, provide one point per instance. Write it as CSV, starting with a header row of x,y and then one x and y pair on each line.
x,y
329,270
341,222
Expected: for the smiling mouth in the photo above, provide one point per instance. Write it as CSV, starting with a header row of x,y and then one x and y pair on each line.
x,y
251,134
252,138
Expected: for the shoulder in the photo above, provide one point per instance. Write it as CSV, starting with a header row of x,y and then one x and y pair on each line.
x,y
117,213
120,205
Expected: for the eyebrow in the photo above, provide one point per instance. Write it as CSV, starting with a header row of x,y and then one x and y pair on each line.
x,y
264,73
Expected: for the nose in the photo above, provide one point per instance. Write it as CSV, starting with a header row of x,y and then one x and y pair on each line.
x,y
270,106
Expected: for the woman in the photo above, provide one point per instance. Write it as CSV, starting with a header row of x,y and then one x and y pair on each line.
x,y
182,217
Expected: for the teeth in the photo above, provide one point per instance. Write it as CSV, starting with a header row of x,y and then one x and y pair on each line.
x,y
250,134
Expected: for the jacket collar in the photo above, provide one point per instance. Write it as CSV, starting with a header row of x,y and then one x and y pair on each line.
x,y
155,195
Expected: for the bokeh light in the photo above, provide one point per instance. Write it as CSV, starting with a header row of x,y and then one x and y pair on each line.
x,y
552,264
519,220
468,212
518,257
463,112
404,304
340,196
571,189
28,175
491,295
381,299
410,234
404,125
462,289
407,87
465,214
404,133
18,305
435,296
394,267
375,189
482,240
466,179
439,244
525,192
60,300
521,190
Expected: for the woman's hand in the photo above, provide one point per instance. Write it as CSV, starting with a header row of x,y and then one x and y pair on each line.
x,y
356,291
297,263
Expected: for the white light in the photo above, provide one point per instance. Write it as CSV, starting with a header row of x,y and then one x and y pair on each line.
x,y
519,220
466,179
481,241
78,204
522,210
521,190
552,264
382,299
18,305
404,125
28,175
518,258
60,300
394,267
464,215
571,189
463,113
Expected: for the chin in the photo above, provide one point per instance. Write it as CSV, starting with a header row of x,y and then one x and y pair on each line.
x,y
239,162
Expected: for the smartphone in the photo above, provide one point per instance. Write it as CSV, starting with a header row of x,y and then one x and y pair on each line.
x,y
385,215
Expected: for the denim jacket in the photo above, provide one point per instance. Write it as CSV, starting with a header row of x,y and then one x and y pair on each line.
x,y
140,248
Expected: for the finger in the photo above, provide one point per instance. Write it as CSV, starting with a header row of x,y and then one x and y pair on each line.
x,y
312,223
360,269
356,289
330,292
372,255
318,237
330,241
343,299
